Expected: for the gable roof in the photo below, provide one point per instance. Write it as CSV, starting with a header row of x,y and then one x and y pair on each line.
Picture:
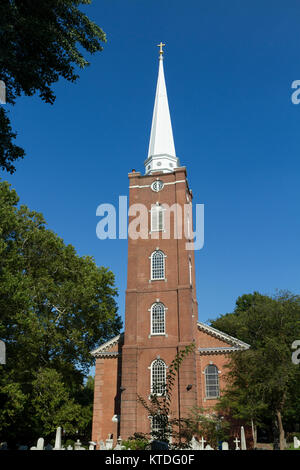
x,y
105,349
234,343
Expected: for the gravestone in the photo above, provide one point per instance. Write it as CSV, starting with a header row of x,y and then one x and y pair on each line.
x,y
236,441
40,444
109,442
243,439
208,447
119,444
195,445
92,445
102,445
23,448
78,445
296,443
49,447
69,447
2,352
57,445
225,446
202,440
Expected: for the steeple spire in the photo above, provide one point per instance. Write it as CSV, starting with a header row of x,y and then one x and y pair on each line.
x,y
161,154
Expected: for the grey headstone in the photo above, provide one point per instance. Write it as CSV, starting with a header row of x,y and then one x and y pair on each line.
x,y
208,447
102,445
119,444
57,445
195,445
109,442
225,446
48,447
2,352
40,444
78,445
296,443
243,439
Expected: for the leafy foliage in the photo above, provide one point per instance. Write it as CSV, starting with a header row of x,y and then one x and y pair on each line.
x,y
9,152
160,406
39,43
263,381
209,424
55,307
136,442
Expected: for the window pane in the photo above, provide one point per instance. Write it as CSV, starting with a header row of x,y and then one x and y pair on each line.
x,y
212,381
158,319
158,265
158,379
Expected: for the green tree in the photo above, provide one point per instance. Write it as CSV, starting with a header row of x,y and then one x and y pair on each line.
x,y
40,41
159,407
263,378
55,307
208,424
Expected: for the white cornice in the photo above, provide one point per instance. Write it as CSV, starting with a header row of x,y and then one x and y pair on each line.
x,y
165,184
217,350
223,336
103,349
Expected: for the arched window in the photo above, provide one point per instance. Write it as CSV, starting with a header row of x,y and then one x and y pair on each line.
x,y
157,265
158,424
157,218
212,381
158,377
158,326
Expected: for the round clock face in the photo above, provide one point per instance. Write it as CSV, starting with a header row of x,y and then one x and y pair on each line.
x,y
157,185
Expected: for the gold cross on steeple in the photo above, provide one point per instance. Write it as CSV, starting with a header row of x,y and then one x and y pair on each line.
x,y
161,45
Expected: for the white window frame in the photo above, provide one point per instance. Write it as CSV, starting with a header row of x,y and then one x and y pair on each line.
x,y
164,319
163,268
207,385
151,376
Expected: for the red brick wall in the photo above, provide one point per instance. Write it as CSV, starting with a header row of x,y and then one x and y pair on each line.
x,y
175,292
106,397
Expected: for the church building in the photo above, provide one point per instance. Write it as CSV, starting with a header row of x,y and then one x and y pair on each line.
x,y
161,310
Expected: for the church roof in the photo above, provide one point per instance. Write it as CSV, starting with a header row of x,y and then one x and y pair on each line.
x,y
234,343
161,138
105,349
108,349
161,152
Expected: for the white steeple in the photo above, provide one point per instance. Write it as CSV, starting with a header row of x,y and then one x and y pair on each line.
x,y
161,154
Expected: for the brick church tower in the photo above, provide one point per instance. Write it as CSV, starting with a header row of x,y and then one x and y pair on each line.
x,y
161,315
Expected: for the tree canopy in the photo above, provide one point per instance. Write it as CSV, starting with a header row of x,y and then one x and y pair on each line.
x,y
39,43
263,381
55,307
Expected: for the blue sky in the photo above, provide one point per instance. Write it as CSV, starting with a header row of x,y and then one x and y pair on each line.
x,y
229,66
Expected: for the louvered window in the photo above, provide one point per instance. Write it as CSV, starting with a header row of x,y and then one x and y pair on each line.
x,y
157,218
